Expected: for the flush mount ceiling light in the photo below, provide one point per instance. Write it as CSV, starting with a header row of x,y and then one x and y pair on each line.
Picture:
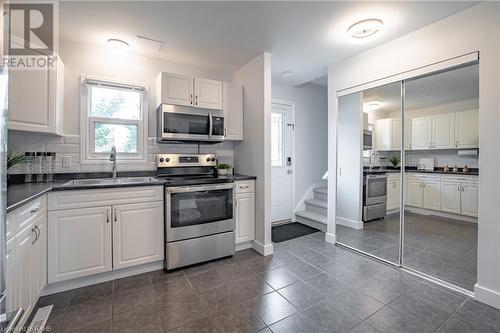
x,y
373,105
117,44
365,28
286,73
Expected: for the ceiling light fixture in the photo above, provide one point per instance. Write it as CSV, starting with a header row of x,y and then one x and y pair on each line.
x,y
373,105
286,73
117,44
365,28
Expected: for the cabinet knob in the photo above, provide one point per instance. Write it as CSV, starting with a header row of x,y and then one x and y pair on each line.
x,y
107,216
116,215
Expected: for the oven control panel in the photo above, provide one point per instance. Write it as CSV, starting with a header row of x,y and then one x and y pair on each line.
x,y
181,160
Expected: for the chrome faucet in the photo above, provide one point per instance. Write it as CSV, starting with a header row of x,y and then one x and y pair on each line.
x,y
370,161
112,158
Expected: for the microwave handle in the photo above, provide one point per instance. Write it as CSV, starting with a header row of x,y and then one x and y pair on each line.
x,y
210,124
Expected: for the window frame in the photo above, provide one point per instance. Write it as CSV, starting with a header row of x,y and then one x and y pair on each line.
x,y
87,142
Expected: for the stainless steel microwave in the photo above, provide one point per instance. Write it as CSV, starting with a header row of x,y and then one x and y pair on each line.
x,y
367,140
185,123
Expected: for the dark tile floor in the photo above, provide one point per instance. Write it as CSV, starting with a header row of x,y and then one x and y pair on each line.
x,y
438,246
306,286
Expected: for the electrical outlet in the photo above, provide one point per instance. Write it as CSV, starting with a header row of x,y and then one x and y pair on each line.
x,y
66,161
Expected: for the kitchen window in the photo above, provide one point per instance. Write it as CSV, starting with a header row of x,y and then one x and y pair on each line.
x,y
115,115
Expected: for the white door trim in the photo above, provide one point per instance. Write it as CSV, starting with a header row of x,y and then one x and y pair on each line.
x,y
292,151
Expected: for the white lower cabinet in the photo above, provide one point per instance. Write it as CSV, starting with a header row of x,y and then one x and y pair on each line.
x,y
117,234
26,257
450,197
79,243
431,195
414,192
470,199
137,234
244,211
393,192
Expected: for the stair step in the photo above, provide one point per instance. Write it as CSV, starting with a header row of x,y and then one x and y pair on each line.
x,y
321,190
312,216
317,206
317,203
321,193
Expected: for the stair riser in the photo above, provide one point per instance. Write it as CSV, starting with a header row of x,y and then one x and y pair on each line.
x,y
311,223
316,209
321,196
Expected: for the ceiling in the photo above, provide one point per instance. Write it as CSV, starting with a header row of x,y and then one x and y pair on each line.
x,y
303,37
443,88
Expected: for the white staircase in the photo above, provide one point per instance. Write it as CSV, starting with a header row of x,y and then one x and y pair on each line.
x,y
315,214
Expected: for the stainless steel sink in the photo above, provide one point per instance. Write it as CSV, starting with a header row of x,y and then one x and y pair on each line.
x,y
109,181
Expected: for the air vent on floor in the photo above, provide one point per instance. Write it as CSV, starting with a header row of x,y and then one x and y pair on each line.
x,y
37,325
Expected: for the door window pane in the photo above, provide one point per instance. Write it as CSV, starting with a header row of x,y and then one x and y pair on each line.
x,y
277,138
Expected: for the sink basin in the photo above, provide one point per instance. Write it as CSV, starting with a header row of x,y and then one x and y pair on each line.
x,y
109,181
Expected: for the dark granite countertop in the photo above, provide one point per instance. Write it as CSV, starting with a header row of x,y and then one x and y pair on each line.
x,y
471,172
20,194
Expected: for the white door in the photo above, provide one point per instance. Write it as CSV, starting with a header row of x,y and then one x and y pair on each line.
x,y
467,129
176,89
443,132
232,105
245,217
23,260
450,197
421,133
39,257
414,192
137,234
208,94
11,277
431,195
470,200
282,161
79,243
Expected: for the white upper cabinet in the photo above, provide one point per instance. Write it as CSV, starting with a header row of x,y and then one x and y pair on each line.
x,y
208,94
467,129
421,134
233,111
388,134
443,133
185,90
175,89
36,100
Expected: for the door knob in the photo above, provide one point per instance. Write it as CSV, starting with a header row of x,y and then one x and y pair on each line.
x,y
289,171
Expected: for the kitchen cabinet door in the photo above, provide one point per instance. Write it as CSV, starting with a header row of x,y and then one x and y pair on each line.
x,y
408,131
383,134
393,195
443,132
245,217
450,197
11,276
24,263
175,89
395,134
414,192
470,199
137,234
233,111
431,195
207,94
79,243
39,257
467,129
421,133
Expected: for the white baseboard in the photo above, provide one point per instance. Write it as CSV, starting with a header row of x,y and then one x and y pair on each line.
x,y
277,223
265,250
243,246
102,277
330,238
487,296
350,223
313,224
418,210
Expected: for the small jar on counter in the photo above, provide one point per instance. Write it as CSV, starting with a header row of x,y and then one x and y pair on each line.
x,y
51,166
41,166
29,175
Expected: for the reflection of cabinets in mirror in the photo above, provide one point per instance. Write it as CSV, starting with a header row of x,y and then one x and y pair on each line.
x,y
388,134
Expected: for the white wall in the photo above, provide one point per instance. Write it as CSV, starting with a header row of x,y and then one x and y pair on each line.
x,y
84,59
349,150
311,133
475,29
253,155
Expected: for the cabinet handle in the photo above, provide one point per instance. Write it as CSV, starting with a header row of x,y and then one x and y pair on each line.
x,y
33,230
243,186
456,143
34,210
191,99
196,98
116,215
38,233
458,187
463,188
107,216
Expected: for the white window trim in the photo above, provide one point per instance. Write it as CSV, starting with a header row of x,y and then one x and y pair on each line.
x,y
86,125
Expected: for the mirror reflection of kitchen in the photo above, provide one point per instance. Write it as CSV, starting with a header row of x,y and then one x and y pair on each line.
x,y
368,212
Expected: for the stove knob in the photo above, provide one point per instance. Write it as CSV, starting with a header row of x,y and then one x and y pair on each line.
x,y
162,159
167,159
208,159
212,159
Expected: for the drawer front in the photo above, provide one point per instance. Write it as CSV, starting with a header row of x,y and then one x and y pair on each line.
x,y
61,200
423,176
24,215
244,186
460,178
393,176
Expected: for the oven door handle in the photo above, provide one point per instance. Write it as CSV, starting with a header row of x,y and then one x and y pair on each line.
x,y
201,188
376,176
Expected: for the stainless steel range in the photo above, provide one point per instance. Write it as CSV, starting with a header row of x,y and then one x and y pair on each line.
x,y
199,210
